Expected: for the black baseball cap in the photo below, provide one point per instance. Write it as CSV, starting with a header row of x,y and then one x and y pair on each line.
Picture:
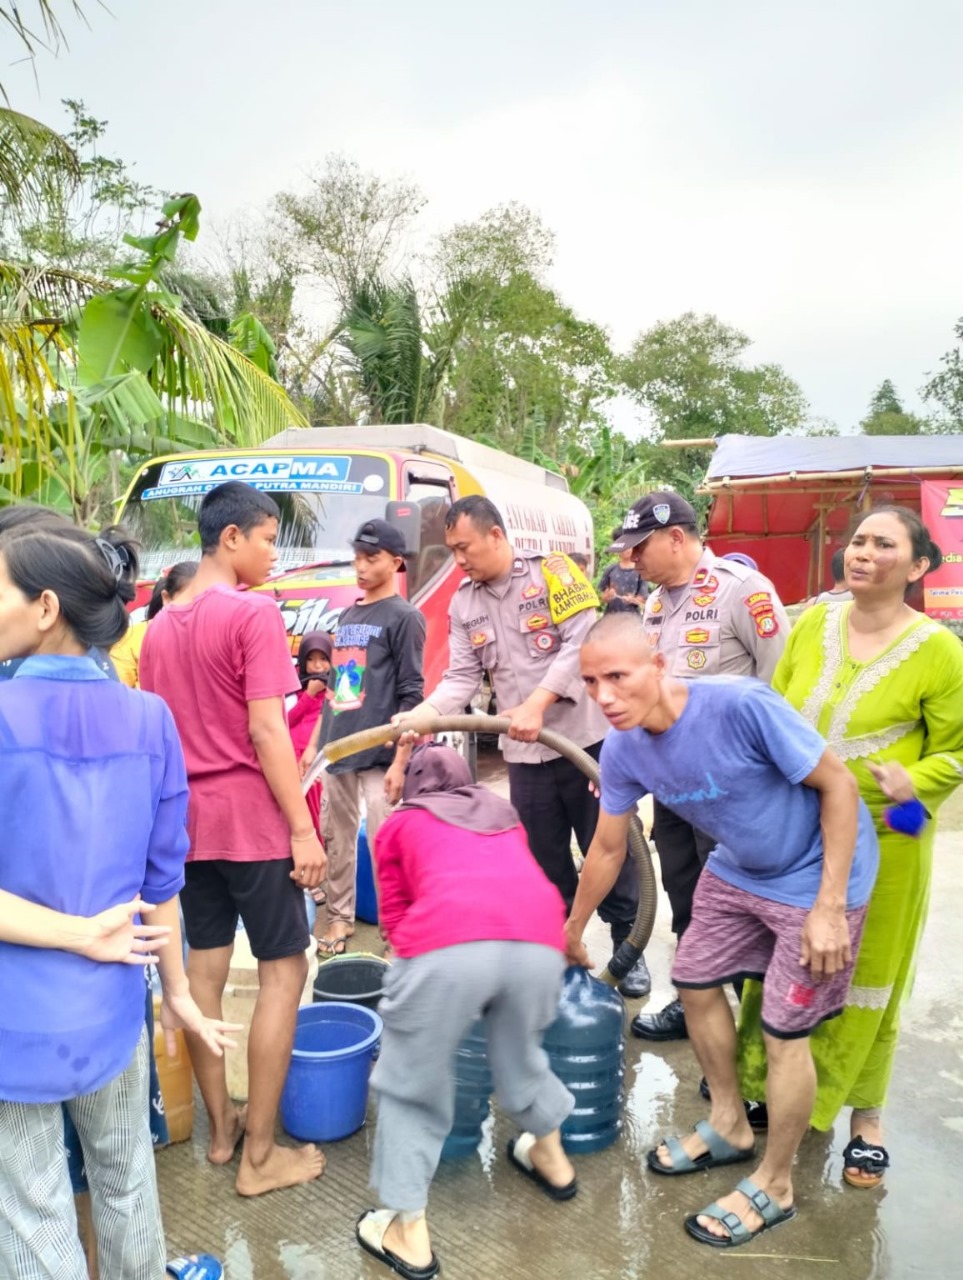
x,y
379,535
659,510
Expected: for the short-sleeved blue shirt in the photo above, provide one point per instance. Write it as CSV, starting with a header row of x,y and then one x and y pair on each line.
x,y
732,765
93,795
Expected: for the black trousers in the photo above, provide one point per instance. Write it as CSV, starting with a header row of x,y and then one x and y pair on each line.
x,y
554,800
683,851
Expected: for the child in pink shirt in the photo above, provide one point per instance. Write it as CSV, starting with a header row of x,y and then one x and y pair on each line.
x,y
314,663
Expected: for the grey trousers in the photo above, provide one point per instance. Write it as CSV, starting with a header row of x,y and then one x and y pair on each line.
x,y
38,1224
429,1004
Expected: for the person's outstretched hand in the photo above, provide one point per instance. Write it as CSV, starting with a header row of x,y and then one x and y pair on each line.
x,y
113,936
179,1012
576,951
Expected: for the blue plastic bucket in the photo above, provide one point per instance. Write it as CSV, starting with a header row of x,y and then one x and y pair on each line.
x,y
326,1092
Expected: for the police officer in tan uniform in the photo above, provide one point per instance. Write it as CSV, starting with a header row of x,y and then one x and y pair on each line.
x,y
709,616
522,616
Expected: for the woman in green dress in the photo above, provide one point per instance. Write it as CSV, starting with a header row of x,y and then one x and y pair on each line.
x,y
884,685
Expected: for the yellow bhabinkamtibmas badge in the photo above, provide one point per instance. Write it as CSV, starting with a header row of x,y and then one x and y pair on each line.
x,y
569,591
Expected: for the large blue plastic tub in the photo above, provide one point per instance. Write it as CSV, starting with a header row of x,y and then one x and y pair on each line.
x,y
326,1092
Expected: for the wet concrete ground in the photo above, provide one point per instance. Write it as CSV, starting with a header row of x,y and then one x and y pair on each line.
x,y
625,1223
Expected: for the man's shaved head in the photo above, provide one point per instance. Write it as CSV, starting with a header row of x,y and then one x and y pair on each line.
x,y
624,675
624,629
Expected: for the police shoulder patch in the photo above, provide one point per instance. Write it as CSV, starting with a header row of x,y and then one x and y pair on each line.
x,y
569,591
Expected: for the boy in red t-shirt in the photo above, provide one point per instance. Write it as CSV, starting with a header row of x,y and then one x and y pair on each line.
x,y
219,657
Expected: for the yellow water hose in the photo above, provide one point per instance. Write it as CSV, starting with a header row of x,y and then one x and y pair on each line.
x,y
630,950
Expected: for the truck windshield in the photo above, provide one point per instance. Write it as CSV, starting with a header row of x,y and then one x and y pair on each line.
x,y
323,499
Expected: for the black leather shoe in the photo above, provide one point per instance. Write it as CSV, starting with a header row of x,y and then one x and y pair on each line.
x,y
637,981
667,1024
757,1113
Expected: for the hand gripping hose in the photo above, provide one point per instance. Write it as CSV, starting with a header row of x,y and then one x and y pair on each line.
x,y
629,951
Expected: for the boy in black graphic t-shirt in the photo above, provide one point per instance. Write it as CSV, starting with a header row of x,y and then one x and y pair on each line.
x,y
376,671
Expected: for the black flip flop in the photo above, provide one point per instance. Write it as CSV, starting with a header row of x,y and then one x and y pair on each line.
x,y
392,1260
869,1159
550,1189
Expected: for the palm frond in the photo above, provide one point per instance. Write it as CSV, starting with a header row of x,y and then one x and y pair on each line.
x,y
212,380
44,32
381,334
55,429
37,166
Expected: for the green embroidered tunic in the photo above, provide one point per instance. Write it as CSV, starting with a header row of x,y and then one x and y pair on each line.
x,y
905,705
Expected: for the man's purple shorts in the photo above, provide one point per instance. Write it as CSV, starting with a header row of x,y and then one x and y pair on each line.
x,y
735,934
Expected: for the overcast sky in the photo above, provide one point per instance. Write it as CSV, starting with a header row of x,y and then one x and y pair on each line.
x,y
793,166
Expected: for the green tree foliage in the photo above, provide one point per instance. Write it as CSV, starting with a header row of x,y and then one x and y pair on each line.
x,y
523,365
505,241
80,225
90,374
381,336
887,417
345,229
689,378
944,389
523,354
608,474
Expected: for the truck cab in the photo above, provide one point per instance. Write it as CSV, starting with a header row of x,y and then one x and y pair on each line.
x,y
327,482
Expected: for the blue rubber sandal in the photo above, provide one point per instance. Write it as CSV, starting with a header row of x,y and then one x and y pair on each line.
x,y
198,1266
720,1152
770,1212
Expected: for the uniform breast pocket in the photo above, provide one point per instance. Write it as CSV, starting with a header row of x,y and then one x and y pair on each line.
x,y
541,636
481,637
698,651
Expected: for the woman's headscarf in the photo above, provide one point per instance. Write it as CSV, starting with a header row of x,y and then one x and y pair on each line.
x,y
438,780
313,642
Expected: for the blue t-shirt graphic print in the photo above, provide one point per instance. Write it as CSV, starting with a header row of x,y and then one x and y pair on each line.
x,y
732,765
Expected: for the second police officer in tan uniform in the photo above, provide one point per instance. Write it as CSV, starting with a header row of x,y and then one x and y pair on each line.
x,y
522,616
709,616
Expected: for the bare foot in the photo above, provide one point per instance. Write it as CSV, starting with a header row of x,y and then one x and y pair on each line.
x,y
224,1138
740,1135
739,1204
283,1167
551,1162
410,1241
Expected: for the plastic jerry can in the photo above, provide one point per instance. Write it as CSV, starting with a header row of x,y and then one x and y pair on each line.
x,y
586,1049
176,1081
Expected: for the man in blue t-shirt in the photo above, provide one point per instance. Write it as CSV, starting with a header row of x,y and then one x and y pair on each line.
x,y
782,898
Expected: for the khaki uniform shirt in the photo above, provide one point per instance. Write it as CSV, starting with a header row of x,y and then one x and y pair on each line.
x,y
505,627
727,621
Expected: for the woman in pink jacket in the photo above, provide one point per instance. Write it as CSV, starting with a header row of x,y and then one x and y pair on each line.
x,y
477,929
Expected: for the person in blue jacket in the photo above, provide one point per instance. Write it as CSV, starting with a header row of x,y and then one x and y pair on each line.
x,y
90,767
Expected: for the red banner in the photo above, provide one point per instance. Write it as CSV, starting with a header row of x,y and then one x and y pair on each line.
x,y
941,506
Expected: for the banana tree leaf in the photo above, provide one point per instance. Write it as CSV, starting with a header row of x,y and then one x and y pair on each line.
x,y
248,335
116,331
187,209
125,401
29,480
